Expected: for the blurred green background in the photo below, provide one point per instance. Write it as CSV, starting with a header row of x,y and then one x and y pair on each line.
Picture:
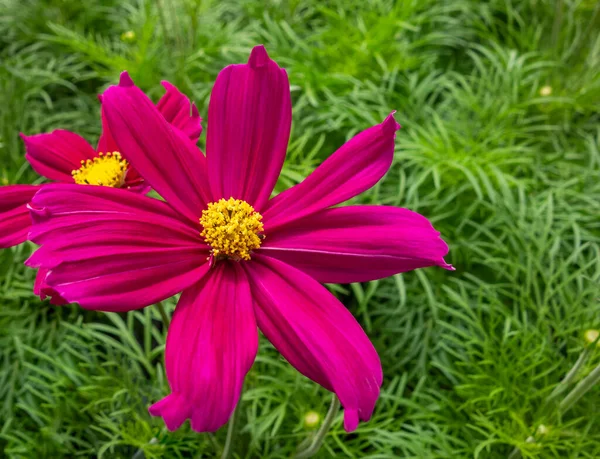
x,y
499,103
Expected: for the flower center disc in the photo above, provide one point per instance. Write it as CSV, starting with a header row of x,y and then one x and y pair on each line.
x,y
105,169
232,228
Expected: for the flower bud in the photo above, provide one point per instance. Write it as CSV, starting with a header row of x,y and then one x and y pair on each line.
x,y
128,36
591,335
312,419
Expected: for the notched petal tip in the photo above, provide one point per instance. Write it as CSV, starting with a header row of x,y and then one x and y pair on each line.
x,y
38,211
447,266
125,80
258,57
389,125
444,249
44,291
195,112
350,420
174,410
168,86
28,140
32,261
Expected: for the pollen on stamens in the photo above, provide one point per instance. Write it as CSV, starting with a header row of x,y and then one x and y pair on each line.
x,y
106,169
232,228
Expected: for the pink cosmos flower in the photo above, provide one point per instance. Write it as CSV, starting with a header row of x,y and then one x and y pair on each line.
x,y
241,259
65,157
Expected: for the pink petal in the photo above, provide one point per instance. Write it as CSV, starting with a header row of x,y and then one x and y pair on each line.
x,y
14,216
57,154
133,179
180,112
135,182
175,107
169,162
317,335
106,143
43,290
211,345
112,250
355,167
250,117
357,243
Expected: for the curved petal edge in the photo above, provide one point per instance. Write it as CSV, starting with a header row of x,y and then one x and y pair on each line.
x,y
211,345
358,243
317,335
355,167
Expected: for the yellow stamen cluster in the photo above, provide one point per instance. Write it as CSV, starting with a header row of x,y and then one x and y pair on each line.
x,y
232,228
106,169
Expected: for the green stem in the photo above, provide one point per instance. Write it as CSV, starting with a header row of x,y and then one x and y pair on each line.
x,y
319,438
587,31
568,379
213,441
580,389
516,453
162,20
558,17
163,314
584,385
230,431
139,454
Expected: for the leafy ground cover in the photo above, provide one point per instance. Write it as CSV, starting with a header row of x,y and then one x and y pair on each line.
x,y
500,148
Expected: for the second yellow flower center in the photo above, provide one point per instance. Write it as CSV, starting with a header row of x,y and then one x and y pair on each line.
x,y
232,228
106,169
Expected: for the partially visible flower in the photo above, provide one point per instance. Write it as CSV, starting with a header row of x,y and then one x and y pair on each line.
x,y
65,157
545,91
591,336
240,259
312,419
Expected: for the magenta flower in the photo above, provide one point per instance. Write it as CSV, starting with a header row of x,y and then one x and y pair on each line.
x,y
65,157
242,260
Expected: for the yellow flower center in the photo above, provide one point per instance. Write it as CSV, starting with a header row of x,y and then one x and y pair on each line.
x,y
106,169
232,228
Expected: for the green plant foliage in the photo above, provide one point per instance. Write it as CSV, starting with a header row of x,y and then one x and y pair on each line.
x,y
500,148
